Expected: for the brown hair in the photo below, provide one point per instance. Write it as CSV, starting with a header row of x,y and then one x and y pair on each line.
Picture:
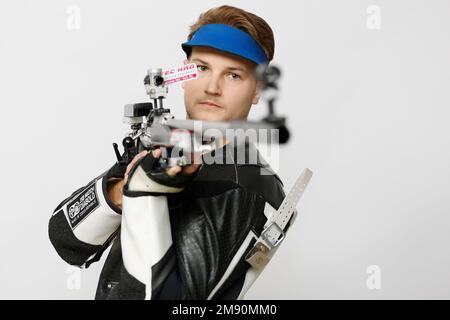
x,y
242,20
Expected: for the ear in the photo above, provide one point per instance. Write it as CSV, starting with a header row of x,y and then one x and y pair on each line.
x,y
257,94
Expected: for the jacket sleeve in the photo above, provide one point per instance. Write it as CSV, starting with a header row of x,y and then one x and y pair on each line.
x,y
84,224
146,236
147,248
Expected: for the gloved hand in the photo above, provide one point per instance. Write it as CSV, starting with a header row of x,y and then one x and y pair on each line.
x,y
114,181
143,177
118,170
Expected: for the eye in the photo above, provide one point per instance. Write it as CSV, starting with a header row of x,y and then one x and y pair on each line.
x,y
202,68
235,76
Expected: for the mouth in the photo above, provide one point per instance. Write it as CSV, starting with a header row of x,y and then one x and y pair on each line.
x,y
210,105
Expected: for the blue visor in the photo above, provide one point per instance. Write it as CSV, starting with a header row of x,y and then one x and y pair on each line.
x,y
226,38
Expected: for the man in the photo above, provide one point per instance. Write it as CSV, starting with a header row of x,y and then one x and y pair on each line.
x,y
185,234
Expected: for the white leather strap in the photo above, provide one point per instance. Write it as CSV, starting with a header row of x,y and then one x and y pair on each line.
x,y
273,229
273,232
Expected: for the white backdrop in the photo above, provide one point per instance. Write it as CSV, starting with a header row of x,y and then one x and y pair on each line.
x,y
365,88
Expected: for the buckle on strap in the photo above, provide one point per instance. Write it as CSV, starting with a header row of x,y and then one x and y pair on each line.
x,y
258,257
273,234
260,254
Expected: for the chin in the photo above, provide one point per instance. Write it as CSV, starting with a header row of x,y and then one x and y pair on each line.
x,y
212,115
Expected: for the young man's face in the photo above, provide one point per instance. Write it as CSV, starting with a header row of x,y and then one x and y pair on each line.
x,y
226,80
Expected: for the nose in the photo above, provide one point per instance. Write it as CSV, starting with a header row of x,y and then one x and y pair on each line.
x,y
213,86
